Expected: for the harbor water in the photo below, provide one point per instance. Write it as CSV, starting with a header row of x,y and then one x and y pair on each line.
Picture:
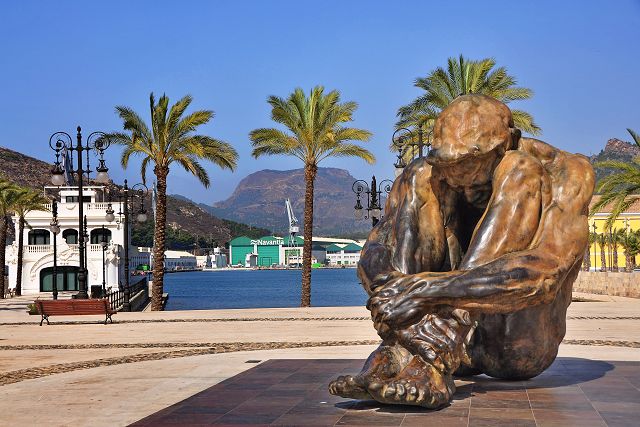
x,y
202,290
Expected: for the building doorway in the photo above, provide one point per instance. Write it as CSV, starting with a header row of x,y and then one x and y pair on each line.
x,y
67,279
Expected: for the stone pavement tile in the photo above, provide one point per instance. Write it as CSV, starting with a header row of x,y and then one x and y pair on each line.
x,y
620,419
500,403
619,392
370,418
628,407
435,420
578,418
500,416
309,419
497,422
561,403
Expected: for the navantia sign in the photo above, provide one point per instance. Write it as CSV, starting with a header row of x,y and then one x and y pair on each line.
x,y
268,242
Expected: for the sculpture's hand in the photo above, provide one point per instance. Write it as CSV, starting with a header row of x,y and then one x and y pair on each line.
x,y
393,302
401,299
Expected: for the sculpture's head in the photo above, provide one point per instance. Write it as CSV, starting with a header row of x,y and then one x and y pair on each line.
x,y
470,137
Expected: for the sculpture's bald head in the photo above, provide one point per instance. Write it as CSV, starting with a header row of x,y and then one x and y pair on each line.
x,y
470,136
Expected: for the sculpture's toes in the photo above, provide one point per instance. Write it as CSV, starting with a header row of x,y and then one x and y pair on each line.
x,y
413,392
346,386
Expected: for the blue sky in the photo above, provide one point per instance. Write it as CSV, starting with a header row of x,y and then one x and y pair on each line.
x,y
70,62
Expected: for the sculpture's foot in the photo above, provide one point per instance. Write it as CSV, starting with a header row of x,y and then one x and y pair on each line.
x,y
346,386
382,365
419,383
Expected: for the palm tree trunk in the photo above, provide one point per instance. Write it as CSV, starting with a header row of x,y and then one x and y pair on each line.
x,y
628,268
159,239
3,252
20,256
587,259
615,257
603,258
310,171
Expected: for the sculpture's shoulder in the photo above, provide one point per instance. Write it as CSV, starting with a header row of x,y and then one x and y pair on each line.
x,y
572,175
551,156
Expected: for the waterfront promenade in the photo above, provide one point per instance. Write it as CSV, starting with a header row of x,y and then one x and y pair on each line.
x,y
77,371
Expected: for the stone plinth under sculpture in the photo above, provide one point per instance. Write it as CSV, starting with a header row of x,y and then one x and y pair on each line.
x,y
470,271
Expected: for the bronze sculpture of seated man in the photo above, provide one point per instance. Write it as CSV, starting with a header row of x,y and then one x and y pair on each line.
x,y
471,269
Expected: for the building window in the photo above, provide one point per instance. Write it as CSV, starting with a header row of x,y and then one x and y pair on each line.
x,y
39,236
97,235
70,236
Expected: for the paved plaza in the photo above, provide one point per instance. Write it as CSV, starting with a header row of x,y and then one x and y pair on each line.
x,y
78,371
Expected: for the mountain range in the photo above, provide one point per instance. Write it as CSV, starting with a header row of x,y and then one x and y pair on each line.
x,y
259,199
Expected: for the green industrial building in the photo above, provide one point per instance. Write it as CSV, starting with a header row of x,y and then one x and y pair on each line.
x,y
270,251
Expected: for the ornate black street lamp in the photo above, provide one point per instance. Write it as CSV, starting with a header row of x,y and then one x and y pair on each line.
x,y
62,142
54,226
137,190
402,139
373,195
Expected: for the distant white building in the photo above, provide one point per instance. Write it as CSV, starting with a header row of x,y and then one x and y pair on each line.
x,y
217,259
173,260
37,271
341,254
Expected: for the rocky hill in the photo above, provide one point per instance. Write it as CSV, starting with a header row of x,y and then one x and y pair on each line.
x,y
259,199
186,221
615,149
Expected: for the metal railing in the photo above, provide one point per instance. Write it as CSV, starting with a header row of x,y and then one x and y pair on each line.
x,y
120,298
116,299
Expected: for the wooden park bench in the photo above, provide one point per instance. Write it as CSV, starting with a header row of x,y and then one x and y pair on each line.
x,y
74,307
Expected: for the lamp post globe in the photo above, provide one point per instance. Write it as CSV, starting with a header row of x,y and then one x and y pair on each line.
x,y
57,179
102,177
142,217
55,228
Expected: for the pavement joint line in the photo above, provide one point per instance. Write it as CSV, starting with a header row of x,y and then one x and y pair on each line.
x,y
12,377
262,319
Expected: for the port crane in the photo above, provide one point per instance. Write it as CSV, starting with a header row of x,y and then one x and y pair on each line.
x,y
293,223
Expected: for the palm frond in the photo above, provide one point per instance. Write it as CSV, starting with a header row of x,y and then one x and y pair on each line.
x,y
463,76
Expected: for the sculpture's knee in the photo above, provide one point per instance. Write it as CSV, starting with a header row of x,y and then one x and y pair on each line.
x,y
518,173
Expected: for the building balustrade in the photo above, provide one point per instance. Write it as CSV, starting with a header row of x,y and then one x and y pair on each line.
x,y
32,249
38,249
91,208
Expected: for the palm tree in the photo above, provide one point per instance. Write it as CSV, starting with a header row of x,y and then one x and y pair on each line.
x,y
316,131
631,243
615,237
601,240
170,140
587,254
8,197
27,200
620,189
464,76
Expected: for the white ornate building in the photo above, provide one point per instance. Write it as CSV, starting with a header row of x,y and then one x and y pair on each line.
x,y
37,271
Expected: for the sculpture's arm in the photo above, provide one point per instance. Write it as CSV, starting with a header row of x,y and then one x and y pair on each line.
x,y
499,279
410,237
